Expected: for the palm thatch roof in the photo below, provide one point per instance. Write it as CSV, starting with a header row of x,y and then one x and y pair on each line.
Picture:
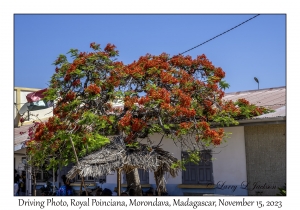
x,y
116,155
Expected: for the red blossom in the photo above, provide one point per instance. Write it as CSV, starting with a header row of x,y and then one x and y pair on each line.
x,y
76,82
92,89
109,47
22,120
70,96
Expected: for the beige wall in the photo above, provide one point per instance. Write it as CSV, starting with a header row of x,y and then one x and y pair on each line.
x,y
266,158
20,99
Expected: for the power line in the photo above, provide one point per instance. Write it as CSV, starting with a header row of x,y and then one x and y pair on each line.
x,y
219,35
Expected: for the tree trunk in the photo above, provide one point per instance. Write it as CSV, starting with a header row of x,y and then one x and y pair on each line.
x,y
133,182
160,183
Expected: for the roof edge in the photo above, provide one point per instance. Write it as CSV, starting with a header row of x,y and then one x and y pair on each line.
x,y
255,90
262,120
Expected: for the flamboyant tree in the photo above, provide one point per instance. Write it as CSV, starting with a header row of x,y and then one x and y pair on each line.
x,y
178,97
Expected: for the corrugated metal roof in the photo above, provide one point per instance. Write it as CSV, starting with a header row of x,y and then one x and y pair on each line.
x,y
280,112
272,98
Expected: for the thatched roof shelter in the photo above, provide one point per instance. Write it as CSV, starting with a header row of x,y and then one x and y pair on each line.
x,y
116,155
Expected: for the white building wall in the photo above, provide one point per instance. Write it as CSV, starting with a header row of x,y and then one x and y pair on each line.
x,y
17,162
229,165
168,145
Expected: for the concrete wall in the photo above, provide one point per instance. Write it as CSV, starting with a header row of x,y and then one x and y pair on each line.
x,y
266,158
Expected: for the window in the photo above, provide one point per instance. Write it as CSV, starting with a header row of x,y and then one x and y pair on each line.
x,y
101,179
201,173
86,179
43,176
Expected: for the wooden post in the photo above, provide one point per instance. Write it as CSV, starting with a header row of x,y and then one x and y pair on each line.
x,y
82,181
119,170
34,183
53,180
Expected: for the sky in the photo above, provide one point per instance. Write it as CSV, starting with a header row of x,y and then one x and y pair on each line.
x,y
254,49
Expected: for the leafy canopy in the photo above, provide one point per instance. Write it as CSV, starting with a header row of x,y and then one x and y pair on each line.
x,y
179,97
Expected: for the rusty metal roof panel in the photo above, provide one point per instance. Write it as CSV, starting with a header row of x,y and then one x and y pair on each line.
x,y
272,98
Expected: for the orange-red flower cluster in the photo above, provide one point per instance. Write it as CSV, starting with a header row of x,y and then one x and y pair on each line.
x,y
79,61
94,46
109,47
184,99
138,124
125,120
203,125
114,80
72,68
229,106
243,101
219,73
213,87
76,82
143,100
134,70
92,89
168,78
39,131
67,77
70,96
184,112
204,62
167,106
215,136
180,60
160,94
130,101
186,125
207,103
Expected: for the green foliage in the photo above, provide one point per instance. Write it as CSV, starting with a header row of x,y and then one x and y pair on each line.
x,y
192,156
224,119
282,191
133,145
223,84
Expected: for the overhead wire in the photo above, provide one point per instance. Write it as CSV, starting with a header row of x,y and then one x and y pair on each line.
x,y
219,34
